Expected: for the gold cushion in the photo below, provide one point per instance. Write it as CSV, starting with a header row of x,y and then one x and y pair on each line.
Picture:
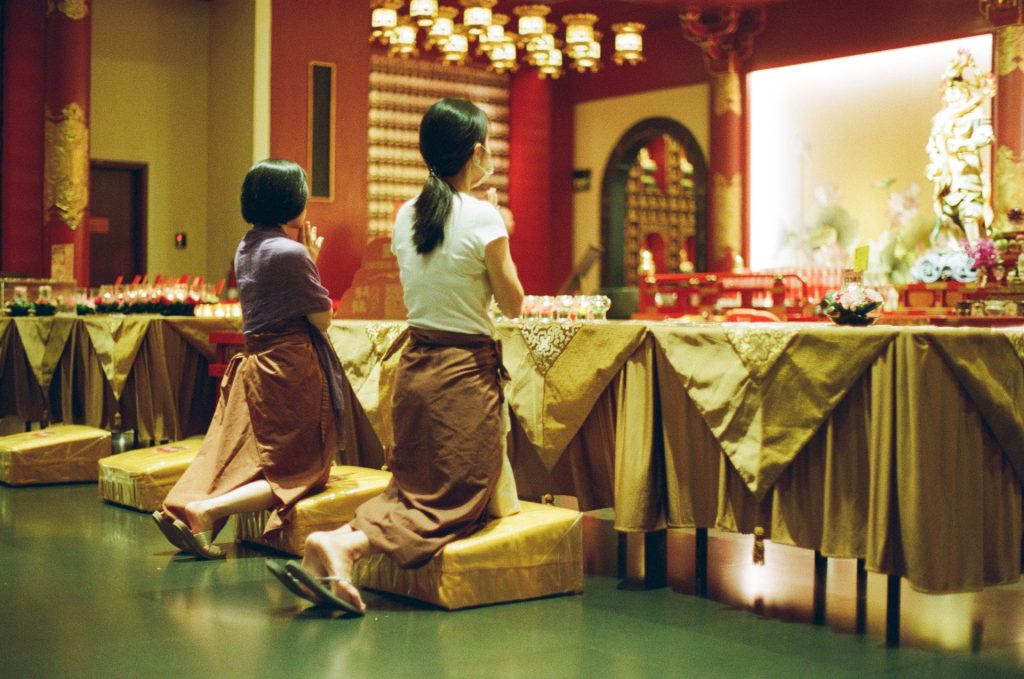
x,y
347,488
58,454
538,552
142,478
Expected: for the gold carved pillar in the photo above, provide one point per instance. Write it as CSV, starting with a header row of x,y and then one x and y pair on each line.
x,y
66,139
1007,113
725,36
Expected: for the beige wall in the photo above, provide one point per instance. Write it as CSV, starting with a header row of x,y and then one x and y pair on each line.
x,y
236,94
177,85
149,105
599,125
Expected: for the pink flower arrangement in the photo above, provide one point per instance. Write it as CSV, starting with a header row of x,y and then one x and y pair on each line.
x,y
983,252
852,306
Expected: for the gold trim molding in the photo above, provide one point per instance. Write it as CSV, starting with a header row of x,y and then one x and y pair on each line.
x,y
1009,183
728,202
72,9
66,165
728,96
1009,49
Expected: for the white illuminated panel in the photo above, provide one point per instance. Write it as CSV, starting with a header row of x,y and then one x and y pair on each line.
x,y
847,122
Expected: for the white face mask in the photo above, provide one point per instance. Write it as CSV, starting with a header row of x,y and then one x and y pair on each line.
x,y
488,171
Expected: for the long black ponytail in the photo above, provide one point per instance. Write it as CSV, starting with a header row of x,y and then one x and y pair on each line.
x,y
449,132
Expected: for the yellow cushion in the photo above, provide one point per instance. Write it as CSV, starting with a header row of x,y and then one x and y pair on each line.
x,y
142,478
58,454
538,552
347,488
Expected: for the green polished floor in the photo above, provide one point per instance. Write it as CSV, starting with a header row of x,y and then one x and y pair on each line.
x,y
92,590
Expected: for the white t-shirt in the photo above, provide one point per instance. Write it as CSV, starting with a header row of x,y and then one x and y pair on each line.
x,y
448,288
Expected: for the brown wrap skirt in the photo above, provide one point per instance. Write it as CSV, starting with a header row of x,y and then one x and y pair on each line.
x,y
447,453
274,421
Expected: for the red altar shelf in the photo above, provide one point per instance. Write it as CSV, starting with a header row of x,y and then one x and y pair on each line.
x,y
376,290
670,295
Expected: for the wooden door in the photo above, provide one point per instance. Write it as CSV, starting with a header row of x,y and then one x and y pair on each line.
x,y
117,194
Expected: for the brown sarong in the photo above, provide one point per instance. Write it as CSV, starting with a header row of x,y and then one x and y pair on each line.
x,y
274,420
447,453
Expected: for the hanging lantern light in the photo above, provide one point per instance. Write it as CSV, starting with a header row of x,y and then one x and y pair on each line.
x,y
423,12
531,20
384,19
476,16
541,44
456,48
443,26
579,29
550,63
587,56
503,55
495,32
403,39
629,43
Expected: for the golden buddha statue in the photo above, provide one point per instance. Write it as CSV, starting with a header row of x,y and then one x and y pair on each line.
x,y
959,131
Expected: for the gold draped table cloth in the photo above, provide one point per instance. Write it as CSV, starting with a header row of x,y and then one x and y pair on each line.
x,y
151,369
902,446
579,393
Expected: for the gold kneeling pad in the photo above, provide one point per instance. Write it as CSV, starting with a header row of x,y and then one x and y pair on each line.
x,y
538,552
347,488
61,453
142,478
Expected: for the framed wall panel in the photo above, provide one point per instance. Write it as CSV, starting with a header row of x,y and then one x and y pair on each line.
x,y
320,144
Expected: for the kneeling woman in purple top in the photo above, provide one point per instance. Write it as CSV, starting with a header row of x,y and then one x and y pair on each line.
x,y
275,432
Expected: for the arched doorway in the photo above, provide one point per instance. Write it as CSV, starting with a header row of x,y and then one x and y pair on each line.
x,y
653,196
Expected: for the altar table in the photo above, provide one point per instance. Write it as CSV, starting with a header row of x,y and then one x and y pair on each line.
x,y
901,446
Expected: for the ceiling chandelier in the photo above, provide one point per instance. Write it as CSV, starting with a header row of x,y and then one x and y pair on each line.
x,y
529,38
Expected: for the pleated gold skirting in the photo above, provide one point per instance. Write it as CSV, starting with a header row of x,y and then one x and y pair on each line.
x,y
142,478
538,552
62,453
347,488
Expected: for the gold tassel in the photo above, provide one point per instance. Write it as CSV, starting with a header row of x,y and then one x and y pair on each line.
x,y
758,546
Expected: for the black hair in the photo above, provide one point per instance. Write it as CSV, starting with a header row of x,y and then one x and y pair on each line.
x,y
449,132
274,192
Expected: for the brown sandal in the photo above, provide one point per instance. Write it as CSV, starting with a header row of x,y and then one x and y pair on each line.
x,y
166,526
200,544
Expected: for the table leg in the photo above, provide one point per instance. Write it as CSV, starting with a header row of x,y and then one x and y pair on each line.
x,y
861,619
656,559
623,556
892,612
820,587
701,563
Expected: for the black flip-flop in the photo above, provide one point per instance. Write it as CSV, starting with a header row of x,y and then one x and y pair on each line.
x,y
316,586
277,569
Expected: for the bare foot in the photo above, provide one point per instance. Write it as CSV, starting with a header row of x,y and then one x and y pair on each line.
x,y
331,554
197,517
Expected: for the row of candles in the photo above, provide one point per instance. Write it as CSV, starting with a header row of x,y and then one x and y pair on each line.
x,y
564,308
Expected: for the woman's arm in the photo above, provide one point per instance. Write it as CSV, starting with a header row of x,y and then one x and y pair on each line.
x,y
501,271
321,320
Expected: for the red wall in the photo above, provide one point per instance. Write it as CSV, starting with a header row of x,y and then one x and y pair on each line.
x,y
796,31
333,31
540,181
21,166
809,30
